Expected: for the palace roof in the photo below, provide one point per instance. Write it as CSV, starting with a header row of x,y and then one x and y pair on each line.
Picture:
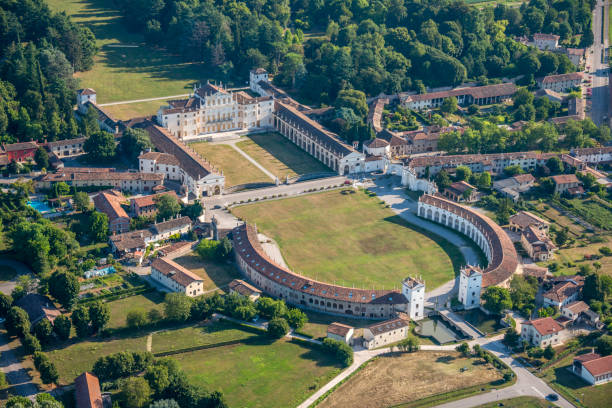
x,y
174,271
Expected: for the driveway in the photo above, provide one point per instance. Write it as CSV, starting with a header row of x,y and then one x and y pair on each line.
x,y
21,268
16,374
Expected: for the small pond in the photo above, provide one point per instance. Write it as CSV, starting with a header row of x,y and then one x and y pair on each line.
x,y
439,330
482,321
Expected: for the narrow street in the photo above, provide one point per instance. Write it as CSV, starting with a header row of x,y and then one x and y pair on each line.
x,y
597,63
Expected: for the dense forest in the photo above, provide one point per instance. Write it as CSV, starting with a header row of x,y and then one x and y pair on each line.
x,y
374,46
40,52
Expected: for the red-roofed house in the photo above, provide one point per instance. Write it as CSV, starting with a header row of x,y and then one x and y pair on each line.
x,y
145,206
340,332
593,368
542,332
387,332
176,278
109,202
546,41
565,182
20,152
461,191
87,391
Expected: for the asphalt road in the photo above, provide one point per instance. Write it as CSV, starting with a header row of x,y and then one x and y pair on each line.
x,y
598,65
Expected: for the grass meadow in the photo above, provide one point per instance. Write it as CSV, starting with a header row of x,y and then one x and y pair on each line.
x,y
349,238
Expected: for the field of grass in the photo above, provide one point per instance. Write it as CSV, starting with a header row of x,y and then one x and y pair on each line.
x,y
518,402
280,156
260,373
576,255
120,308
236,169
414,376
573,387
557,219
127,111
318,322
594,211
73,359
122,73
215,274
186,337
351,239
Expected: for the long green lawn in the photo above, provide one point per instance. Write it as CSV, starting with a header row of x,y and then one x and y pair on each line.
x,y
120,308
260,373
122,73
280,156
350,238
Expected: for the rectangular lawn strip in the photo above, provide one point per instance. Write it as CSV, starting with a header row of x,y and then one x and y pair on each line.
x,y
348,238
120,308
318,322
236,169
178,339
573,387
122,73
215,274
414,376
280,156
73,359
260,373
127,111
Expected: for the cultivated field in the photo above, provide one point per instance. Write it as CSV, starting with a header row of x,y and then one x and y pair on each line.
x,y
260,373
75,358
576,256
350,238
398,379
127,73
236,169
215,274
280,156
557,219
193,336
120,308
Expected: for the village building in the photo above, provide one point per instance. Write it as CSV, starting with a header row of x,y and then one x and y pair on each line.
x,y
244,289
387,332
593,155
377,147
538,272
132,182
176,278
181,162
375,114
87,392
513,187
470,286
523,219
566,183
542,332
576,56
573,162
477,95
461,192
131,245
38,307
593,368
546,42
67,147
560,82
537,243
22,152
109,203
341,332
414,291
167,228
146,206
563,291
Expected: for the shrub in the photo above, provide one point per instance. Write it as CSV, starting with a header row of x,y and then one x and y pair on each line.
x,y
48,372
464,349
296,318
278,327
62,326
341,350
17,322
31,344
136,319
605,251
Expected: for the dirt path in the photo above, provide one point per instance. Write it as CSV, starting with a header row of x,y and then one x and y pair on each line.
x,y
16,373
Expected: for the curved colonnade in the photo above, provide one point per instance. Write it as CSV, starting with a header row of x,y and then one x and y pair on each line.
x,y
490,237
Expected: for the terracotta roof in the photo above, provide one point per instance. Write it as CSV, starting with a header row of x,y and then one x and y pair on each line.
x,y
87,91
461,187
66,142
149,200
577,307
339,329
87,391
542,36
376,143
535,270
327,138
38,307
129,241
599,366
585,151
259,71
537,237
575,51
587,357
14,147
471,270
208,89
464,159
110,204
524,218
248,247
545,325
524,178
388,325
411,282
160,158
504,259
169,225
244,288
573,76
190,161
486,91
174,271
565,179
563,290
66,174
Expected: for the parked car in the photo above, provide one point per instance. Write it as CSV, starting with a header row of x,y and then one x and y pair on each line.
x,y
552,397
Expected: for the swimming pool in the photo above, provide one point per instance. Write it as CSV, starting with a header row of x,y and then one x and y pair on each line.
x,y
40,206
100,272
